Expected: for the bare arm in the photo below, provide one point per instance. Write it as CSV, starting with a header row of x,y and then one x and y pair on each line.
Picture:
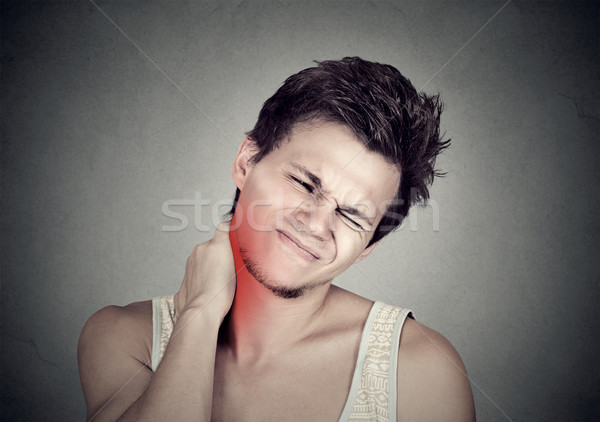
x,y
114,354
116,382
432,380
183,382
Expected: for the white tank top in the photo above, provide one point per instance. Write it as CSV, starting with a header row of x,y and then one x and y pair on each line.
x,y
372,395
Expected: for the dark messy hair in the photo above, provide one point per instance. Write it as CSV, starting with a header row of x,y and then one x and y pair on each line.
x,y
381,107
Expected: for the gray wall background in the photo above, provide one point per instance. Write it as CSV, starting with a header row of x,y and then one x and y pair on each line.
x,y
101,126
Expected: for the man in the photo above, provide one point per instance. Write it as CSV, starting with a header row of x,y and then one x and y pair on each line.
x,y
257,331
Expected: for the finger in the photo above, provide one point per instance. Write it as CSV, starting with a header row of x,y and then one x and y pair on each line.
x,y
222,228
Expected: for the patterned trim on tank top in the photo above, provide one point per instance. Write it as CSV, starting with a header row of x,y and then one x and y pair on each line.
x,y
372,398
167,308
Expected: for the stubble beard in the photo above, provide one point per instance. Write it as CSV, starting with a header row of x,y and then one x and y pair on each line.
x,y
277,288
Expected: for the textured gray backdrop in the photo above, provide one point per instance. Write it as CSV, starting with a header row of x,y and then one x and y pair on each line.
x,y
111,109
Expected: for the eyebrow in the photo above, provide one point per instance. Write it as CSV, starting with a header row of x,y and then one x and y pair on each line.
x,y
316,180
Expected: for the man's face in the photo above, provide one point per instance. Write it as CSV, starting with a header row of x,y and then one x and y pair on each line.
x,y
308,209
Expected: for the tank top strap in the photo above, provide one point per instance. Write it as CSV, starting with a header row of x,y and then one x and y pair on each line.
x,y
376,392
163,320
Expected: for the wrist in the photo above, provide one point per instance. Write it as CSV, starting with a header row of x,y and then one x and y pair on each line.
x,y
203,311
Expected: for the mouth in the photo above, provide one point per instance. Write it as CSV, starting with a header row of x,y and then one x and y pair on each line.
x,y
297,246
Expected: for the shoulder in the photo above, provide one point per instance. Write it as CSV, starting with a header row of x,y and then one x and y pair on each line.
x,y
432,379
345,299
341,301
116,323
115,344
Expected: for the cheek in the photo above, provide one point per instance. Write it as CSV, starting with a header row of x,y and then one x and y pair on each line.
x,y
350,243
254,202
262,207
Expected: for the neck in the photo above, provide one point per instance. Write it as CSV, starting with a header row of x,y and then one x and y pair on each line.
x,y
262,324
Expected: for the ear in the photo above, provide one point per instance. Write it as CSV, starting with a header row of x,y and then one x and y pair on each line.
x,y
241,164
366,252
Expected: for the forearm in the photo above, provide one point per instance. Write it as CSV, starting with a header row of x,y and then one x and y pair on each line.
x,y
183,382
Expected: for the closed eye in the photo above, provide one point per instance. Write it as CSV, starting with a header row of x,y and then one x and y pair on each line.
x,y
302,183
350,220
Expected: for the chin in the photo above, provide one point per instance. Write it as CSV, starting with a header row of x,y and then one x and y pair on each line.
x,y
278,275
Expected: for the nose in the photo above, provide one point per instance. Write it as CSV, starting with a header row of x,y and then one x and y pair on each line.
x,y
314,218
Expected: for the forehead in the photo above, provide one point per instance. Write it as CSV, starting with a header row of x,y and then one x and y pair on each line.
x,y
343,163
